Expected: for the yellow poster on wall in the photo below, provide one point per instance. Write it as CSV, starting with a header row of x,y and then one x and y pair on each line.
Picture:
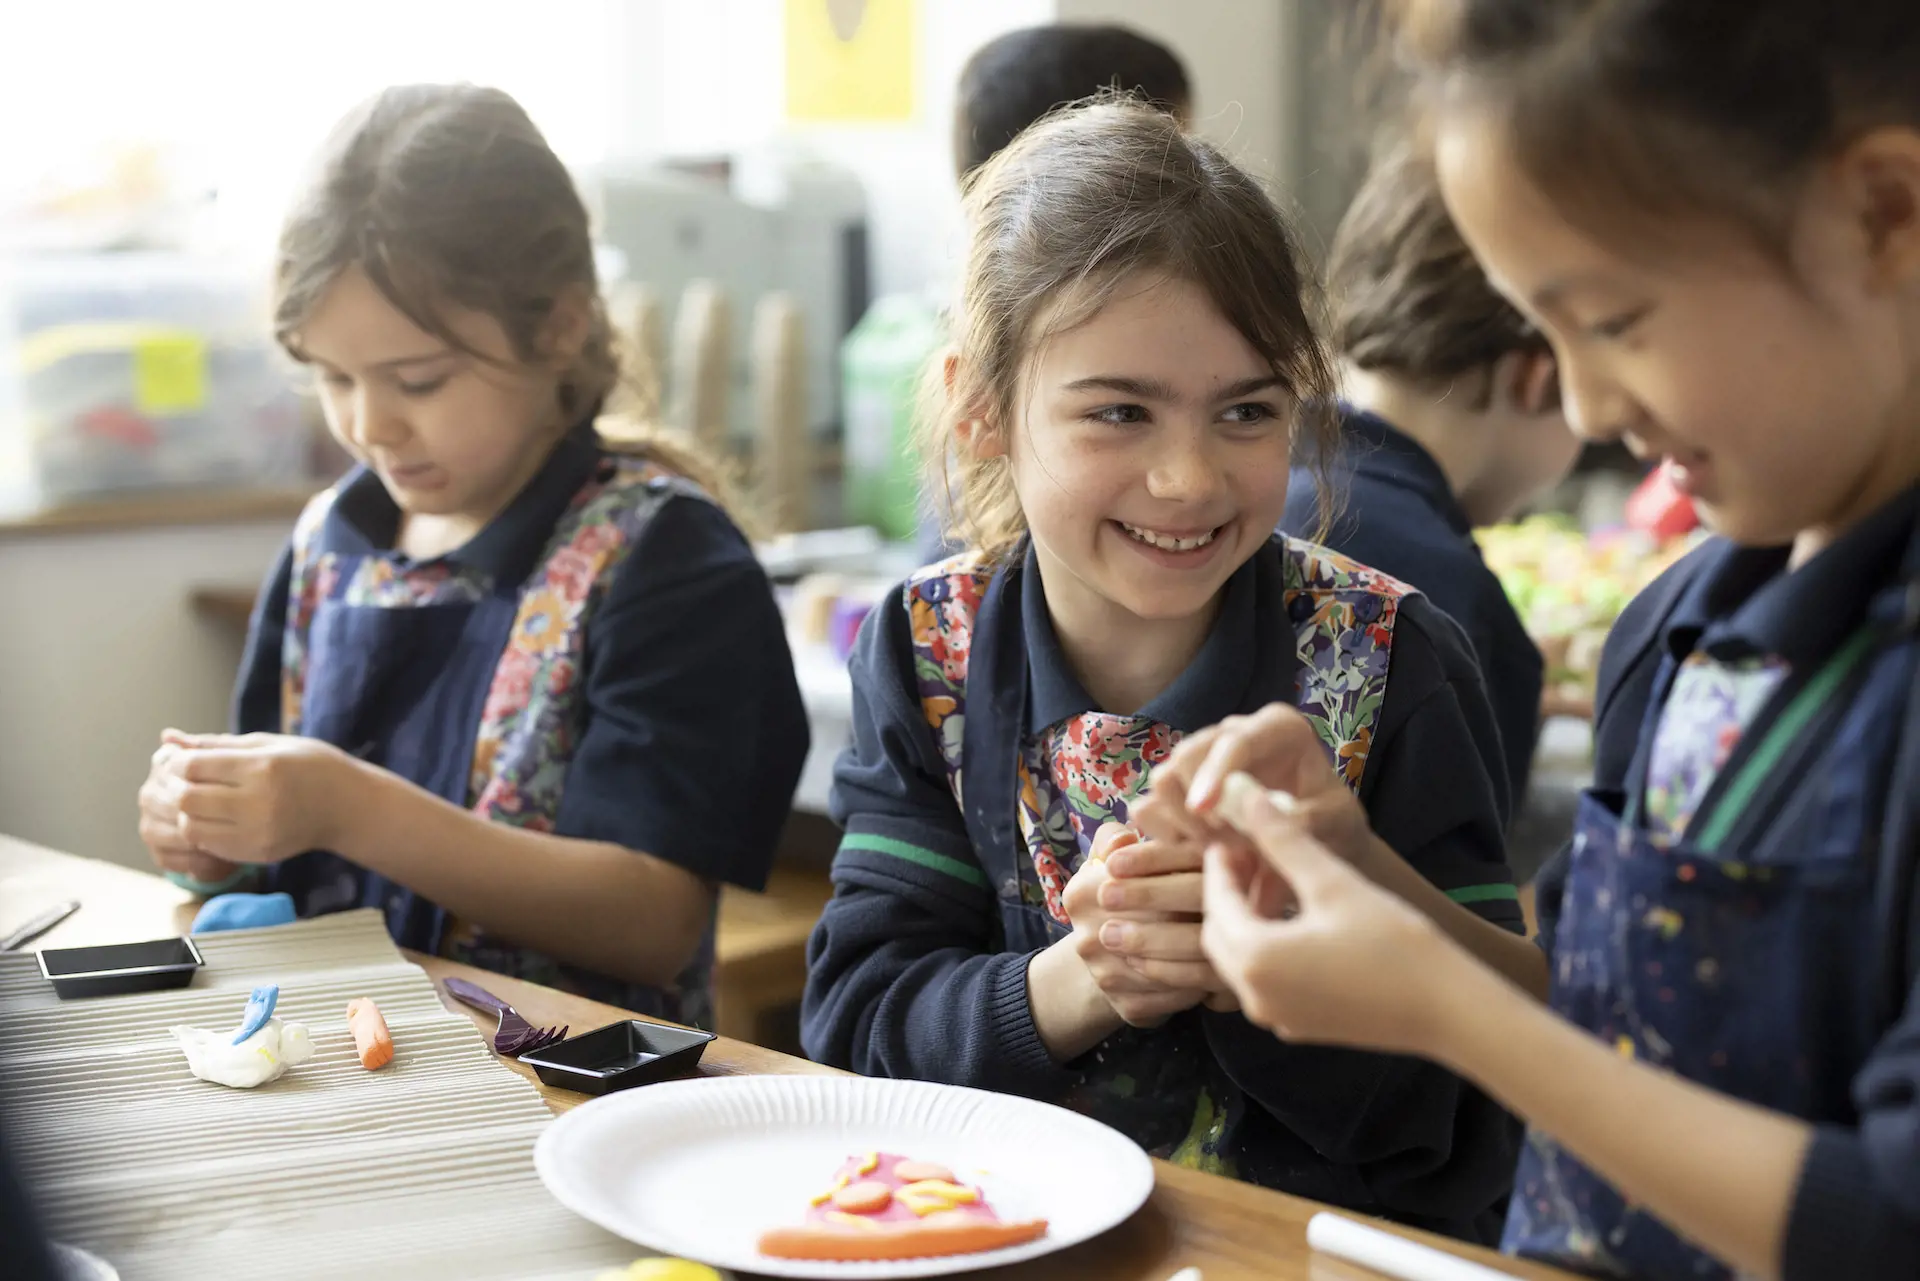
x,y
850,60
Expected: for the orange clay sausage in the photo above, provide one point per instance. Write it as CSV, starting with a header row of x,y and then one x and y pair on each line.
x,y
896,1240
863,1198
916,1171
370,1035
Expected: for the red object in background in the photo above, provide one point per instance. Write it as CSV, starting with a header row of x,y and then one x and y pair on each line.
x,y
1660,509
120,425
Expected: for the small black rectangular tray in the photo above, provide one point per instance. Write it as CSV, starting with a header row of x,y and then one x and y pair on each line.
x,y
119,968
618,1056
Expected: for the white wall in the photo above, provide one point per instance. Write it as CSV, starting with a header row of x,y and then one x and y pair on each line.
x,y
100,652
730,93
1234,51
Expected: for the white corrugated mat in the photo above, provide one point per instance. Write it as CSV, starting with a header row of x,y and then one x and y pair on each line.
x,y
423,1169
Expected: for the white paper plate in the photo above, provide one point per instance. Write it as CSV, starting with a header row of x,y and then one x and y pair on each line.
x,y
699,1169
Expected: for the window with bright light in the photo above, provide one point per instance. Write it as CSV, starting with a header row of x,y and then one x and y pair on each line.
x,y
226,99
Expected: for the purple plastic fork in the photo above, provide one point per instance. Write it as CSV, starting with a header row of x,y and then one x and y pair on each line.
x,y
514,1036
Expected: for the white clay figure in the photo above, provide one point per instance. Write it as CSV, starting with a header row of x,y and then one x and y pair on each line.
x,y
262,1057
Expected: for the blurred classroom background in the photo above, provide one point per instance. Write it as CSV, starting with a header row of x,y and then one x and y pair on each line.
x,y
773,182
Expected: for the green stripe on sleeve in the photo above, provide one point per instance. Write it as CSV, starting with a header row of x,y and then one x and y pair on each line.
x,y
915,854
1502,893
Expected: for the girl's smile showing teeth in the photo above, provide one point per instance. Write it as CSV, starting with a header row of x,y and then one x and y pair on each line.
x,y
1170,542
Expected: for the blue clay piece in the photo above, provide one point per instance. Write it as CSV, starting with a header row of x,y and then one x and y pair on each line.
x,y
259,1010
243,912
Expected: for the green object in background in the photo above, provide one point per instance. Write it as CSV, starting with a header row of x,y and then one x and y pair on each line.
x,y
882,363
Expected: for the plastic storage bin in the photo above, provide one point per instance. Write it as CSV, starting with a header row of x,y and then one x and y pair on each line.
x,y
126,372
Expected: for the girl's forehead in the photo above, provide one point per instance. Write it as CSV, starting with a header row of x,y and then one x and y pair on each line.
x,y
352,317
1536,249
1516,232
354,324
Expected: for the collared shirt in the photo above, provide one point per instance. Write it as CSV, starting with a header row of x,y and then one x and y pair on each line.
x,y
1211,688
1395,511
1747,632
604,660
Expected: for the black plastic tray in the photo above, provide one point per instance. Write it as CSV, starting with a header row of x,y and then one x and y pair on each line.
x,y
119,968
618,1056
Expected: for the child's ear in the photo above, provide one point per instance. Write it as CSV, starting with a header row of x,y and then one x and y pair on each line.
x,y
979,439
565,331
1529,381
1879,178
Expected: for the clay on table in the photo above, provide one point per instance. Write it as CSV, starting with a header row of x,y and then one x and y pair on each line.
x,y
885,1206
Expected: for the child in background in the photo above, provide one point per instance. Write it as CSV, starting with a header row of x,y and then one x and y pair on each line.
x,y
1451,419
1133,354
1015,79
1018,78
522,687
1722,240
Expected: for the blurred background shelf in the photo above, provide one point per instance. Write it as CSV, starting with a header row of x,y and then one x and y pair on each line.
x,y
186,507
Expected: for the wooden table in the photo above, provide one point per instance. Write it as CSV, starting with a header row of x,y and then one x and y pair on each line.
x,y
1231,1231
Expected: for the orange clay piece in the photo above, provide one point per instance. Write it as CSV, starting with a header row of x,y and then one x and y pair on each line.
x,y
921,1171
915,1240
370,1035
863,1198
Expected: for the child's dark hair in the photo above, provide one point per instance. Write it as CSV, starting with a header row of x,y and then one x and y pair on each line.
x,y
1020,77
1652,107
1060,221
447,196
1407,296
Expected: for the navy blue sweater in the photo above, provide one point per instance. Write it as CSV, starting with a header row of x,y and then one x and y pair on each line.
x,y
1396,512
1856,1212
918,968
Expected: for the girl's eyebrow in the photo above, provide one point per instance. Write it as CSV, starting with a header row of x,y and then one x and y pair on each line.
x,y
1144,388
388,366
420,358
1154,389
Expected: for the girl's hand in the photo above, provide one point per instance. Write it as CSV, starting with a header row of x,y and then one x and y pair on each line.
x,y
1155,883
1315,951
1281,751
160,828
261,798
1158,968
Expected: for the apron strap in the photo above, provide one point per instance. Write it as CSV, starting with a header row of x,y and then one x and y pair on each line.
x,y
1817,695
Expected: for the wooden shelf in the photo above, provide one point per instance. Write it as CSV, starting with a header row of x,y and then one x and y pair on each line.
x,y
149,510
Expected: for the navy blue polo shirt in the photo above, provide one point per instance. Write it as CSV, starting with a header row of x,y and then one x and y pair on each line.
x,y
1211,688
1856,1211
1396,513
918,966
673,727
